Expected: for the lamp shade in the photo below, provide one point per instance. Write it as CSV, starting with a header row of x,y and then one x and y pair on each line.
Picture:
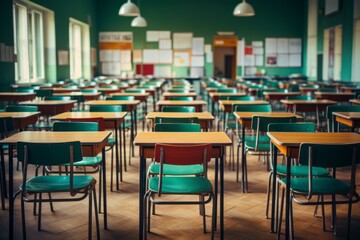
x,y
129,9
244,9
139,21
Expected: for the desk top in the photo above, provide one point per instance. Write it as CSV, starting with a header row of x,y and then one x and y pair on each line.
x,y
346,115
181,103
281,93
18,114
233,102
75,94
48,102
86,138
17,94
249,115
146,94
104,115
113,102
295,139
213,94
175,94
151,138
308,102
199,115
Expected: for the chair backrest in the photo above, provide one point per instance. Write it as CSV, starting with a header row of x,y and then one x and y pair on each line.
x,y
49,154
260,123
99,121
292,127
20,108
6,126
182,154
129,98
135,91
57,98
178,90
178,109
238,98
330,90
176,120
182,98
89,90
177,127
331,126
41,93
300,97
25,90
226,90
329,155
105,108
75,126
252,108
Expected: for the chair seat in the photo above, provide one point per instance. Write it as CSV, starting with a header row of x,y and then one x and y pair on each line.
x,y
88,161
177,169
57,183
253,138
260,147
111,141
320,186
181,185
302,171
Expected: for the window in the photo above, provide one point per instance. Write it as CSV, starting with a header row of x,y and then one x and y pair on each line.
x,y
80,66
332,53
29,43
356,43
311,70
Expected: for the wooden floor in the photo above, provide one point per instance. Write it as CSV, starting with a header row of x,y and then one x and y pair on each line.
x,y
244,213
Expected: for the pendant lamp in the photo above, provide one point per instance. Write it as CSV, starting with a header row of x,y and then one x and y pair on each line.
x,y
139,21
129,9
244,9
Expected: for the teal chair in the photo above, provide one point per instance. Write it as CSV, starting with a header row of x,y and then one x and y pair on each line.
x,y
330,118
178,91
126,98
42,93
25,90
261,143
177,127
177,109
57,98
194,185
340,190
181,98
176,120
54,154
300,97
135,91
238,98
296,170
226,90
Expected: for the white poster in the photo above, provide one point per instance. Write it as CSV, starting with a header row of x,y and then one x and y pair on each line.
x,y
115,37
198,46
150,55
165,44
197,61
181,59
182,40
165,56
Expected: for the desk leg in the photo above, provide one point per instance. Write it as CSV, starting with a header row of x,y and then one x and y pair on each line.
x,y
243,158
224,120
287,200
124,145
142,184
132,144
212,107
131,133
222,197
273,197
11,193
104,187
118,161
216,189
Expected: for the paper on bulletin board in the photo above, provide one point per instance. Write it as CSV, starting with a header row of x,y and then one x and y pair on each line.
x,y
196,72
162,71
164,43
270,45
198,46
250,71
126,66
295,60
181,59
257,44
259,60
116,56
63,57
137,56
240,53
295,45
182,40
93,57
209,57
111,68
115,37
150,55
125,56
155,36
106,55
165,56
271,61
208,48
197,61
282,45
283,60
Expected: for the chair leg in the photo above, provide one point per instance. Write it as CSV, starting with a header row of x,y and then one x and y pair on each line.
x,y
51,203
39,213
3,174
90,214
148,213
268,195
323,212
201,207
96,215
237,162
333,207
292,236
316,207
281,213
112,172
23,216
213,223
34,207
100,187
348,220
204,218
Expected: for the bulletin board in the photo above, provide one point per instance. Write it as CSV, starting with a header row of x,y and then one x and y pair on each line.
x,y
283,52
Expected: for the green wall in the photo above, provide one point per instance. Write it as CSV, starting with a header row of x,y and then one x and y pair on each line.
x,y
344,17
276,18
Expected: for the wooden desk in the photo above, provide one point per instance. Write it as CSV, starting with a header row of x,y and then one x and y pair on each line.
x,y
350,89
307,106
277,96
168,95
22,119
109,91
88,96
351,119
288,144
112,120
198,104
338,97
205,118
308,90
245,120
51,107
354,101
146,142
16,96
92,144
215,97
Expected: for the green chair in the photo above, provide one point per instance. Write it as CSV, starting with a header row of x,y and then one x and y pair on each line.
x,y
20,108
330,118
89,90
126,98
177,109
177,127
135,91
178,91
57,98
261,144
235,128
300,97
25,90
181,98
296,170
340,191
42,93
226,90
327,90
176,120
53,154
238,98
162,184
